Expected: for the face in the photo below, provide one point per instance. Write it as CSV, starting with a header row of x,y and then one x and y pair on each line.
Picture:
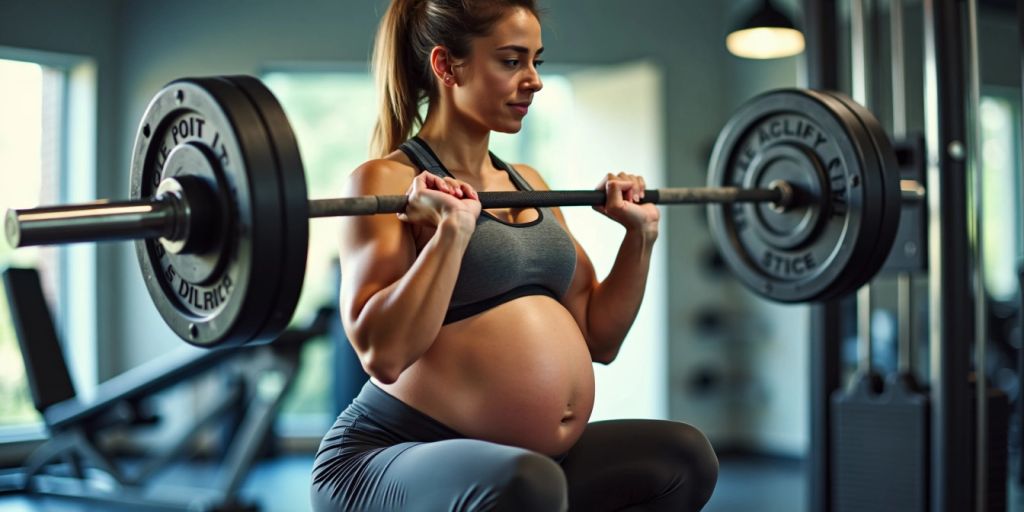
x,y
498,79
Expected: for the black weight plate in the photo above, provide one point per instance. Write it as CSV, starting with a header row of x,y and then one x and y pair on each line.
x,y
210,114
893,197
874,203
295,209
810,125
891,201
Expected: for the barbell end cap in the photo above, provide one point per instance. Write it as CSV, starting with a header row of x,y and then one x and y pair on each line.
x,y
786,193
12,229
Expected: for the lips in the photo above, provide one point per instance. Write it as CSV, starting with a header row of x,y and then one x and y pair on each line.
x,y
520,108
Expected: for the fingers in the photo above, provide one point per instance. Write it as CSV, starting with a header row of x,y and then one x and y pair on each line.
x,y
434,182
627,187
454,187
468,192
457,188
615,192
633,186
446,184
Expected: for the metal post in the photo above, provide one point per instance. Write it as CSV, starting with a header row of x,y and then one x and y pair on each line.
x,y
861,85
826,326
859,51
951,328
1020,270
980,312
899,83
905,315
822,49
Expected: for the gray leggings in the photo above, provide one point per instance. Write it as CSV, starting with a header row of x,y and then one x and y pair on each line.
x,y
382,455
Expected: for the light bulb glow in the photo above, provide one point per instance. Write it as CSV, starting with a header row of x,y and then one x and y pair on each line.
x,y
765,42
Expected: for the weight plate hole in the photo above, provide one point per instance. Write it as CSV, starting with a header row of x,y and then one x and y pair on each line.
x,y
193,331
146,131
180,96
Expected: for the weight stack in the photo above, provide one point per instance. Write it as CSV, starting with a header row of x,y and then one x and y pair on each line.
x,y
880,446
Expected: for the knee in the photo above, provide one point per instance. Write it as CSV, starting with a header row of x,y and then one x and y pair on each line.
x,y
695,453
533,482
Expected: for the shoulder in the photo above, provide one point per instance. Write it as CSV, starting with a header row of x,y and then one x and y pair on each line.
x,y
392,173
531,176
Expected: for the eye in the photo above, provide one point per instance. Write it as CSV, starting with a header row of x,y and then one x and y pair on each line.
x,y
537,63
511,62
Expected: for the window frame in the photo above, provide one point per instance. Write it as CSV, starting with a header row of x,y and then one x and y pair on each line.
x,y
76,168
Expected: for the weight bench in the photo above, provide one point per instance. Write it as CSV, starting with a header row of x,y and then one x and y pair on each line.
x,y
66,463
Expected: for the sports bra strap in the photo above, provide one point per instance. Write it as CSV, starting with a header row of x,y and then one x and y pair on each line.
x,y
424,158
521,183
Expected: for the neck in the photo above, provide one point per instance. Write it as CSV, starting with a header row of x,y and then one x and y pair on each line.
x,y
461,144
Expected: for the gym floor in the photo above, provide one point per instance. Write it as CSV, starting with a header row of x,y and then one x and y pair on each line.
x,y
281,485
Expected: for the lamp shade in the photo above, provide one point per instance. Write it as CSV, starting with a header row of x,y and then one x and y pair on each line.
x,y
766,34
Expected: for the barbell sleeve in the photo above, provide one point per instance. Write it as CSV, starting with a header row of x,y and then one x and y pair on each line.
x,y
369,205
912,191
89,222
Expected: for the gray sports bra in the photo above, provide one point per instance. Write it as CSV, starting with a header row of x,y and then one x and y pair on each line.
x,y
504,261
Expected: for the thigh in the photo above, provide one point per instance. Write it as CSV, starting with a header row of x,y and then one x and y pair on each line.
x,y
642,464
455,475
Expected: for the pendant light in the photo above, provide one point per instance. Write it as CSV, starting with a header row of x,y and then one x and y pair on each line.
x,y
765,34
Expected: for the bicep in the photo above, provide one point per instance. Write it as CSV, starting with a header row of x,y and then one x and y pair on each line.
x,y
374,250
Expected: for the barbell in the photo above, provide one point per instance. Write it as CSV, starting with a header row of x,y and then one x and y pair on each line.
x,y
803,201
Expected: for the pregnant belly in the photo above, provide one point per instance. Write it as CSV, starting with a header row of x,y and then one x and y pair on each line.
x,y
518,374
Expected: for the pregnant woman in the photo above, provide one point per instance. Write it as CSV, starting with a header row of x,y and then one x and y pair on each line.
x,y
479,328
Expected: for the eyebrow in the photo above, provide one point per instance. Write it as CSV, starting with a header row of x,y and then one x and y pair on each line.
x,y
519,49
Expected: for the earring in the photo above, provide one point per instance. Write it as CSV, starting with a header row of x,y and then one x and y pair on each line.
x,y
447,79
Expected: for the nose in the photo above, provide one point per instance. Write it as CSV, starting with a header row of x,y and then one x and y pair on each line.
x,y
533,82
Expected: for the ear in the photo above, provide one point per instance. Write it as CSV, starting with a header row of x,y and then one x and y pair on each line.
x,y
442,66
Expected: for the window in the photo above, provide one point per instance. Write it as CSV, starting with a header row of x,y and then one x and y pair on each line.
x,y
332,114
1001,236
48,148
30,98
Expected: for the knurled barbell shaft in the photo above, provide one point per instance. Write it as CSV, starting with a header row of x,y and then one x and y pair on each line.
x,y
132,220
369,205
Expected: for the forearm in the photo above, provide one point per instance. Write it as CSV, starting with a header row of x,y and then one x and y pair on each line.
x,y
400,322
614,303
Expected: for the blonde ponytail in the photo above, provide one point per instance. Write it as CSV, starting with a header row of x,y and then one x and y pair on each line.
x,y
399,99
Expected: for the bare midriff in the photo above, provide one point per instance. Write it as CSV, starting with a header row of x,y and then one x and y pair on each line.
x,y
518,374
